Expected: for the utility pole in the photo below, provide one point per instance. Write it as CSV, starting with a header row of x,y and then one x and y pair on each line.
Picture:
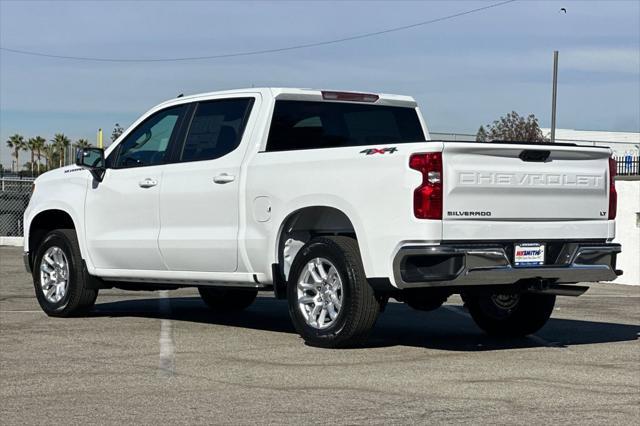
x,y
554,96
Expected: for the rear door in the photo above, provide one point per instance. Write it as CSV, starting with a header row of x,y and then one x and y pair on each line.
x,y
199,196
521,186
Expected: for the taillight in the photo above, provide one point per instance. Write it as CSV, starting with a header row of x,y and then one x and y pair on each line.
x,y
613,195
427,198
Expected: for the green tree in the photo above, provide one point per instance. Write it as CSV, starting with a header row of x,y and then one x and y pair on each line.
x,y
117,131
82,143
38,144
17,144
512,127
61,143
48,152
31,145
481,136
30,166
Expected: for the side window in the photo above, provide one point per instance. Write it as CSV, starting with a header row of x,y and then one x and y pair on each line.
x,y
216,129
148,144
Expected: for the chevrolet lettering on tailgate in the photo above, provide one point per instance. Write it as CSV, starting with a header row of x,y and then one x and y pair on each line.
x,y
530,179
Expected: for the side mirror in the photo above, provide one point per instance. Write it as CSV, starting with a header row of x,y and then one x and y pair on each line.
x,y
92,159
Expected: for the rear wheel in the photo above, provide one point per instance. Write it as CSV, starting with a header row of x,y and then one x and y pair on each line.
x,y
510,314
58,276
227,299
330,301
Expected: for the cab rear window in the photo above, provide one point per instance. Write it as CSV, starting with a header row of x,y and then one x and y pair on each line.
x,y
298,125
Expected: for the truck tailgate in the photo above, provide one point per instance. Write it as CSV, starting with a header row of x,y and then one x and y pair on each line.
x,y
521,190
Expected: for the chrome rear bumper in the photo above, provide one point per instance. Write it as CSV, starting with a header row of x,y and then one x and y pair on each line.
x,y
477,264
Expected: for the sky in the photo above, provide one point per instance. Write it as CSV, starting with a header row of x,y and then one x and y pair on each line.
x,y
464,72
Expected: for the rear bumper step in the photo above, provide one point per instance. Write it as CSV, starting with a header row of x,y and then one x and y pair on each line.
x,y
457,265
561,290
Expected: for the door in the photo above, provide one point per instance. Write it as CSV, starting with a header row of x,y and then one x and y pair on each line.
x,y
199,195
122,212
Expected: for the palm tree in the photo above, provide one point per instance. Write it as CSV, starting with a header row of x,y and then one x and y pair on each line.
x,y
47,151
31,145
39,143
61,143
82,143
30,165
16,143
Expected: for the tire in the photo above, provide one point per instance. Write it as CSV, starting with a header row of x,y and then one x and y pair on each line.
x,y
72,298
227,299
501,315
351,320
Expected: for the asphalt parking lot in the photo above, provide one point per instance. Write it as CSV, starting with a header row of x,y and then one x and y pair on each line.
x,y
150,357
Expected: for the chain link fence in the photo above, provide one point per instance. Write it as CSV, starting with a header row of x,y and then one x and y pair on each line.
x,y
14,197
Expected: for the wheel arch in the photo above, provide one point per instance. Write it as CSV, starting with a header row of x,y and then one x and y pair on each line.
x,y
42,223
305,223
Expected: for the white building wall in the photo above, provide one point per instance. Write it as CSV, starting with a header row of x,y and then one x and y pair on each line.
x,y
621,142
628,231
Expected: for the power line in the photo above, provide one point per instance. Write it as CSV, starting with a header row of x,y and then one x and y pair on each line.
x,y
264,51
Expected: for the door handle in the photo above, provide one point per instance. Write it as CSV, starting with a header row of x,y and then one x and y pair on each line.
x,y
147,183
224,178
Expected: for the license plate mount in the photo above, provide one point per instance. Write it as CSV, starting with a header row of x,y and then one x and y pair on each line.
x,y
527,255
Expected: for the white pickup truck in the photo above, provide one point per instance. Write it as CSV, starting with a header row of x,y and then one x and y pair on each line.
x,y
336,201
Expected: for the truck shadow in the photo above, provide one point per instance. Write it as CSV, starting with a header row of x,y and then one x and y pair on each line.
x,y
447,328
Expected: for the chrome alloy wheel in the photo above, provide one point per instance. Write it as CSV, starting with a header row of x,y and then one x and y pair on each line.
x,y
54,274
319,293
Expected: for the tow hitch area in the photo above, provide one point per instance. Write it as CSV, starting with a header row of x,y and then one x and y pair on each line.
x,y
542,287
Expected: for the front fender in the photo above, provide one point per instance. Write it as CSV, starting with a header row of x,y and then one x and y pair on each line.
x,y
64,194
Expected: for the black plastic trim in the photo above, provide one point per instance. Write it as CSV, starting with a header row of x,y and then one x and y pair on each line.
x,y
534,155
279,283
91,281
26,258
176,145
381,285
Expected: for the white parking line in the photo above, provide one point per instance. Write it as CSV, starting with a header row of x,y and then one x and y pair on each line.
x,y
167,346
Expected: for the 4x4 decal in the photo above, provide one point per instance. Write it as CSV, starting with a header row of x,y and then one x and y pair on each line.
x,y
371,151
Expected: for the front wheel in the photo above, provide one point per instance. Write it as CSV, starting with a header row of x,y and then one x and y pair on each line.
x,y
510,314
330,301
58,276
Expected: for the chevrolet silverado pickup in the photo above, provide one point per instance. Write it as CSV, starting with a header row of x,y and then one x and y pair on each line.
x,y
336,201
